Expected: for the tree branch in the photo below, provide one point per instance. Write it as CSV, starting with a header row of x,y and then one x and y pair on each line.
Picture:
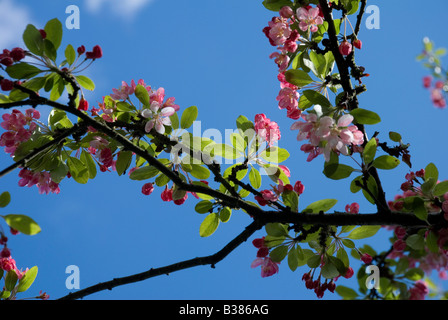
x,y
208,260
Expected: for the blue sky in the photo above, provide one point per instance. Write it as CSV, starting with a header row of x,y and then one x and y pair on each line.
x,y
212,55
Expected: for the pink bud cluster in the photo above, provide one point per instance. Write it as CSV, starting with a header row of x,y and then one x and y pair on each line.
x,y
316,285
437,91
99,147
268,196
268,267
7,58
326,135
20,128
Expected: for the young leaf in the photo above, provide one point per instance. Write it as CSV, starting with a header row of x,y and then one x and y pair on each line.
x,y
298,77
363,232
70,54
203,206
22,223
123,162
33,40
363,116
22,70
321,205
209,225
188,117
85,82
53,29
27,280
274,155
144,173
5,198
279,253
370,151
386,162
255,178
78,170
225,214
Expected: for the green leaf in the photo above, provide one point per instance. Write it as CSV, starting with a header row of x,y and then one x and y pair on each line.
x,y
386,162
255,178
209,225
321,205
226,151
276,5
311,97
78,170
22,223
22,70
370,151
49,50
441,188
238,142
188,117
279,253
431,171
298,77
199,172
85,82
53,29
414,274
431,242
346,293
144,173
174,121
363,232
203,206
225,214
11,280
70,54
343,256
293,258
33,40
87,159
5,198
395,137
274,155
276,229
142,95
245,127
123,162
336,171
314,261
416,242
363,116
291,199
329,271
27,280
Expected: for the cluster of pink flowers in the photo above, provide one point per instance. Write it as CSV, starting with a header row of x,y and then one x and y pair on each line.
x,y
269,196
20,128
266,129
268,267
42,180
281,35
326,135
7,263
159,110
437,91
99,147
419,291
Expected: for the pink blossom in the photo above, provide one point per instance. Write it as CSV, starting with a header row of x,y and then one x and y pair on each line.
x,y
279,30
159,118
7,264
299,188
281,59
268,267
266,129
309,19
124,91
418,291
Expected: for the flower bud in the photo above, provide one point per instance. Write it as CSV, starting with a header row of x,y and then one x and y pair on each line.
x,y
83,105
6,85
358,44
81,50
366,258
17,54
286,12
345,48
96,53
147,189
